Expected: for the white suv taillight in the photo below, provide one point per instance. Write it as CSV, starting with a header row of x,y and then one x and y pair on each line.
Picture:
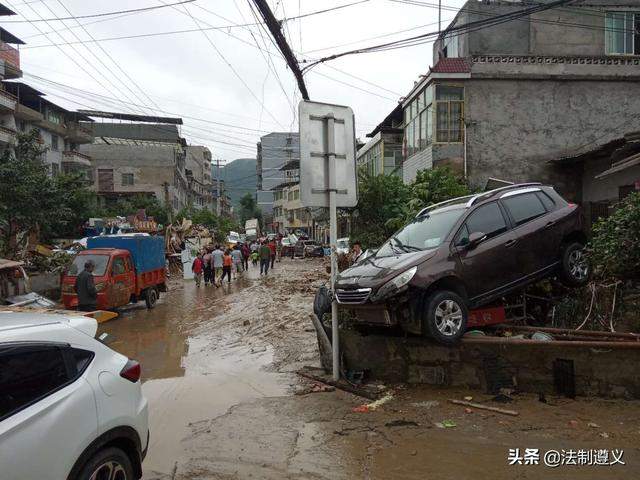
x,y
131,371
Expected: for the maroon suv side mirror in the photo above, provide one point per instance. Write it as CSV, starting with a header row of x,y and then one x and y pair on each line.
x,y
475,239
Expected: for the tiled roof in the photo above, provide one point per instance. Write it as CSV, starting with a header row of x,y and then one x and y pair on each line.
x,y
452,65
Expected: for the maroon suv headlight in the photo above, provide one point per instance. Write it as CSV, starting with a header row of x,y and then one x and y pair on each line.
x,y
394,285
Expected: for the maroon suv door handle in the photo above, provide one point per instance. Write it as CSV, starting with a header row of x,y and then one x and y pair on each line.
x,y
550,224
510,243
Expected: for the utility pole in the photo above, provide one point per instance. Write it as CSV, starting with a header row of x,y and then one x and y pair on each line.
x,y
274,27
218,203
439,15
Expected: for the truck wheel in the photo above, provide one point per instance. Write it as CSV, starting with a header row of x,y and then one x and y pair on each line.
x,y
574,266
445,318
151,297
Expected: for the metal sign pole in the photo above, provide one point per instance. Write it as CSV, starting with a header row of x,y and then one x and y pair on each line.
x,y
330,149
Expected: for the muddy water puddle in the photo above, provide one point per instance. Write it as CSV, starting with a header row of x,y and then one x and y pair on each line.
x,y
194,369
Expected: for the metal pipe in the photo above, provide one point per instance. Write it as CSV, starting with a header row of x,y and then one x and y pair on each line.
x,y
503,341
591,333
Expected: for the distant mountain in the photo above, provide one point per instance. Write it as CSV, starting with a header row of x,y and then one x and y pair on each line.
x,y
239,177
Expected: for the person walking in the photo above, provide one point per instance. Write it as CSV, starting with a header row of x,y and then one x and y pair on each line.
x,y
197,268
206,266
227,263
273,248
265,258
246,253
217,264
86,289
236,256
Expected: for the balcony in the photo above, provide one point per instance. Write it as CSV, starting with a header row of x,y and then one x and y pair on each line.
x,y
79,134
76,158
7,102
7,136
28,114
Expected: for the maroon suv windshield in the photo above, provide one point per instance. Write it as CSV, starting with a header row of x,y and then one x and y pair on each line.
x,y
423,233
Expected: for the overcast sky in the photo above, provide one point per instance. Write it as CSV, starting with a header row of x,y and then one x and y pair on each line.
x,y
183,75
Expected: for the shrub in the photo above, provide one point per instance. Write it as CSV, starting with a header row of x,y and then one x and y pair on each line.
x,y
615,246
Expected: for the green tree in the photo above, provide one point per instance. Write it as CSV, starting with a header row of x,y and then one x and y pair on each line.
x,y
614,245
248,208
33,201
381,199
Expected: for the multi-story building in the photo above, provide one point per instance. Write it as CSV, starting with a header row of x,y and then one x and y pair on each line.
x,y
501,102
60,130
274,151
382,154
198,171
289,215
138,159
221,201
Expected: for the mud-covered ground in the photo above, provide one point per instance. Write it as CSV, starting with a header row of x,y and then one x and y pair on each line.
x,y
218,371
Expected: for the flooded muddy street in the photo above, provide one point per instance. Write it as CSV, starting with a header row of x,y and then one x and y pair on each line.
x,y
224,400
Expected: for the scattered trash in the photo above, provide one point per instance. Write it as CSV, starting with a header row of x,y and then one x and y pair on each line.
x,y
426,404
468,410
317,387
468,398
542,337
484,407
258,350
604,435
572,423
373,405
593,425
446,424
401,423
355,376
502,398
413,452
246,323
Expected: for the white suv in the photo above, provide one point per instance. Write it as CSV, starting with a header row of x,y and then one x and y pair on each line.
x,y
70,407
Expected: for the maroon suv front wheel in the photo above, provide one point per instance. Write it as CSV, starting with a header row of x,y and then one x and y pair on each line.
x,y
445,317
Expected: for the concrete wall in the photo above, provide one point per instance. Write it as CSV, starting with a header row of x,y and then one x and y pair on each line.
x,y
607,373
152,167
538,34
420,161
515,127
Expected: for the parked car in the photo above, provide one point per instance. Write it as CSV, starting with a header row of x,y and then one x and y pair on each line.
x,y
128,268
308,248
288,247
70,407
463,254
342,246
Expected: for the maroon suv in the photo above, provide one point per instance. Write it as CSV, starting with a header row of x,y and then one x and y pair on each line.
x,y
465,253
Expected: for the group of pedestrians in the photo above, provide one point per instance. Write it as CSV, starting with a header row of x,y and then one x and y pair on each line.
x,y
215,265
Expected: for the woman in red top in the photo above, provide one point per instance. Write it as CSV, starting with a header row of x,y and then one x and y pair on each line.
x,y
197,267
227,263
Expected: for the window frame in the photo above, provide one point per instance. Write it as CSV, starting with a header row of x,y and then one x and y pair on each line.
x,y
418,109
449,129
635,37
513,221
66,352
463,224
127,175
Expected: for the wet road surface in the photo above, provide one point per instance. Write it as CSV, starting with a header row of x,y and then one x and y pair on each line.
x,y
217,371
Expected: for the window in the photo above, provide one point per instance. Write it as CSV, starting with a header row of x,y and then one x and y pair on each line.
x,y
118,267
450,49
418,122
622,33
29,373
449,113
127,179
54,142
55,169
548,203
487,219
524,207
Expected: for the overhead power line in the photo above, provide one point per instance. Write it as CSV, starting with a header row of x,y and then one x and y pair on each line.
x,y
274,28
95,15
457,30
